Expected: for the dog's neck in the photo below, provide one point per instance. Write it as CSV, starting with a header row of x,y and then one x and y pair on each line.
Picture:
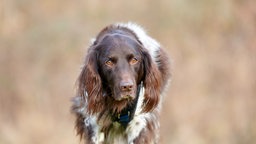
x,y
127,114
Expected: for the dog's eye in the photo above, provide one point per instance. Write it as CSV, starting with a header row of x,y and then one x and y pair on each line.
x,y
133,61
109,63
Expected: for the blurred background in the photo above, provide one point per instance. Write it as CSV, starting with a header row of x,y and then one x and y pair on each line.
x,y
212,96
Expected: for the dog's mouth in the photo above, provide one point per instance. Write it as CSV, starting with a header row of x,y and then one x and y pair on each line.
x,y
125,96
120,100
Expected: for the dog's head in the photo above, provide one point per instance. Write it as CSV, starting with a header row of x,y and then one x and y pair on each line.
x,y
115,65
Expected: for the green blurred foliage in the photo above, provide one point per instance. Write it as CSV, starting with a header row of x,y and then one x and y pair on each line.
x,y
211,98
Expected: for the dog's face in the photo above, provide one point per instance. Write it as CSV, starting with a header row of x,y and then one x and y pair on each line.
x,y
116,63
120,66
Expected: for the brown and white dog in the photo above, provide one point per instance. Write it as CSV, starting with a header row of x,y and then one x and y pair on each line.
x,y
120,87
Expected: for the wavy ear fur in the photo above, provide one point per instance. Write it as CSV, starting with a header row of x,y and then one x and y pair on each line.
x,y
89,84
152,83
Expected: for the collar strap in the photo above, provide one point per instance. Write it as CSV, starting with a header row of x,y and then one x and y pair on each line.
x,y
124,118
126,115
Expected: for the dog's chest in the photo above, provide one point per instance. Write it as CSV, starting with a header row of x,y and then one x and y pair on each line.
x,y
117,134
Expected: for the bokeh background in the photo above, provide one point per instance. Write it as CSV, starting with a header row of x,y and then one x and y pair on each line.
x,y
212,96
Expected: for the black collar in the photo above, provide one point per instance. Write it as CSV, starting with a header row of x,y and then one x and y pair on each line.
x,y
127,114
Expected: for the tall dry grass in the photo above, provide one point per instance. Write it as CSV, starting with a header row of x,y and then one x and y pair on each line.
x,y
212,97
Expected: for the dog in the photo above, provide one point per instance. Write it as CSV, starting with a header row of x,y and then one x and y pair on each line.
x,y
119,90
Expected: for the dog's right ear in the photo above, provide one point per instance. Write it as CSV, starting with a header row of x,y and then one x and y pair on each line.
x,y
89,83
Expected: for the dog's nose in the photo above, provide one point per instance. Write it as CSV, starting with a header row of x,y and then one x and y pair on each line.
x,y
126,86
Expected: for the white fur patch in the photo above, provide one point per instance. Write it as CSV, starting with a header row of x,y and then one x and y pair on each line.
x,y
98,136
140,101
135,127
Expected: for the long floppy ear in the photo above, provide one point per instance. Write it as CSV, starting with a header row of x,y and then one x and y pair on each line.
x,y
152,83
89,84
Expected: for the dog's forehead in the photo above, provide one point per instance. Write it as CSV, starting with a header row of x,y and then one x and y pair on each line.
x,y
119,43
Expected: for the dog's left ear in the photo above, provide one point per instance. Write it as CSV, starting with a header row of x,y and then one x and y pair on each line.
x,y
152,82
